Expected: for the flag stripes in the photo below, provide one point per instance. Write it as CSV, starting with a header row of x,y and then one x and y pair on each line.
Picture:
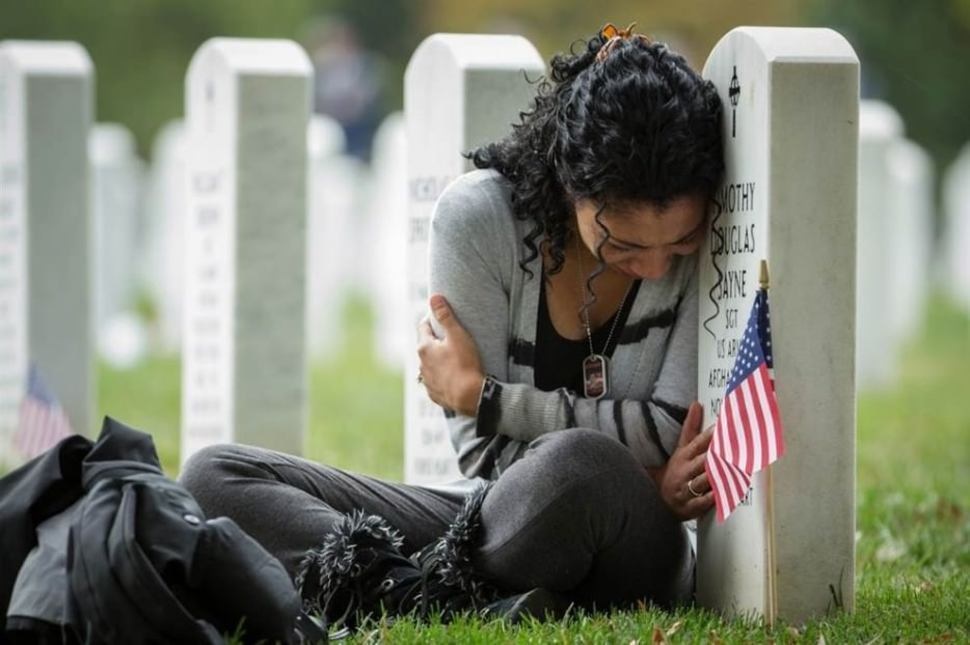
x,y
42,422
747,432
729,483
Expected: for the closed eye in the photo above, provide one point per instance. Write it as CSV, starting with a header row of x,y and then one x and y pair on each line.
x,y
620,249
689,239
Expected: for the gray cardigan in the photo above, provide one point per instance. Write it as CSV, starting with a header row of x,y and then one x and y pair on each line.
x,y
475,250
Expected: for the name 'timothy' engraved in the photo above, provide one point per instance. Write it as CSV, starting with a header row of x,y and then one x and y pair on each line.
x,y
732,198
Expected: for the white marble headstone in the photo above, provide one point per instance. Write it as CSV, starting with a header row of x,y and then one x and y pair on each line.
x,y
334,233
880,131
790,124
911,187
389,229
460,91
117,181
244,361
956,230
162,263
46,295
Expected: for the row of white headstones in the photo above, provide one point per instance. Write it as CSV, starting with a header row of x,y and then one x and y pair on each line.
x,y
353,212
135,233
790,197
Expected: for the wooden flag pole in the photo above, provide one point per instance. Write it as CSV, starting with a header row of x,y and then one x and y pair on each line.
x,y
771,588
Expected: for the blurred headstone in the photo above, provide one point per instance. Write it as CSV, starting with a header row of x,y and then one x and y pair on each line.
x,y
790,101
244,343
877,353
123,340
389,228
460,91
116,178
117,181
162,263
46,294
332,193
956,233
911,227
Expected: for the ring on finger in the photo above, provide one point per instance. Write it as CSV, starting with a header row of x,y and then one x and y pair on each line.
x,y
690,487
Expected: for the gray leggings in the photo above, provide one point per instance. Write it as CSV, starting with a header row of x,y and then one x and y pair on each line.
x,y
576,515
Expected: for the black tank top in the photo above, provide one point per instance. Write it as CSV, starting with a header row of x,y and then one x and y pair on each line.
x,y
559,361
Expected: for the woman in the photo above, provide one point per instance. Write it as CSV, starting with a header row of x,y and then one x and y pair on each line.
x,y
562,345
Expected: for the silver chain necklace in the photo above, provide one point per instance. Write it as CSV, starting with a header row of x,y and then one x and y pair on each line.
x,y
596,367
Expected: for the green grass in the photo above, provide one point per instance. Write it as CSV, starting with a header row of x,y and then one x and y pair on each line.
x,y
356,406
913,551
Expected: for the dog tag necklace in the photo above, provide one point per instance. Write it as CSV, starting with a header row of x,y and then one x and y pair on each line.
x,y
596,367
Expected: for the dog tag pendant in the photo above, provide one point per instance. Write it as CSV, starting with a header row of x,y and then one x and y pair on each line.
x,y
595,376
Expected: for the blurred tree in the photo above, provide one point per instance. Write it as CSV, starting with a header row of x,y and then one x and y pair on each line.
x,y
692,27
141,48
914,55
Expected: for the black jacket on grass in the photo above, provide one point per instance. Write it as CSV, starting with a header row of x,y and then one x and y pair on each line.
x,y
97,545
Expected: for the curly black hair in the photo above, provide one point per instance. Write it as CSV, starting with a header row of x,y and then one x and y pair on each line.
x,y
637,126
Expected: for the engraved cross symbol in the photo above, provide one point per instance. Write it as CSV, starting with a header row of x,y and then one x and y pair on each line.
x,y
734,93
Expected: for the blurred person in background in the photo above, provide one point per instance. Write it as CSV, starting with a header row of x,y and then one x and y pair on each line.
x,y
348,82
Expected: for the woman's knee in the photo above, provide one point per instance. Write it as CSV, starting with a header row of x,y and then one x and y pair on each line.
x,y
574,477
578,453
578,476
204,463
586,494
548,517
205,473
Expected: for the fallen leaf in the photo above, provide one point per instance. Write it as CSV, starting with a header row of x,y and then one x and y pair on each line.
x,y
658,636
947,510
673,629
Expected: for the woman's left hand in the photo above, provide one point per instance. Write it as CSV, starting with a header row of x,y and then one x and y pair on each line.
x,y
451,369
682,481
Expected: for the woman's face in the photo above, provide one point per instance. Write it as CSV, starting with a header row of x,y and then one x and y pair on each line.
x,y
643,238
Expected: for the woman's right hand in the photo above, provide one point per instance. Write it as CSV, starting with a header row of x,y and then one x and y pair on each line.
x,y
686,467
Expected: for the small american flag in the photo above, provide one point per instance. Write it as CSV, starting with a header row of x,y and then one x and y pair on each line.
x,y
747,434
42,421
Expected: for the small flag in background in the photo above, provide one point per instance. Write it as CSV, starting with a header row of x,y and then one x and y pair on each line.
x,y
42,421
747,434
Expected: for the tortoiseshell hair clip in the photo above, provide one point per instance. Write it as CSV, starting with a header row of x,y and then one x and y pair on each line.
x,y
614,35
